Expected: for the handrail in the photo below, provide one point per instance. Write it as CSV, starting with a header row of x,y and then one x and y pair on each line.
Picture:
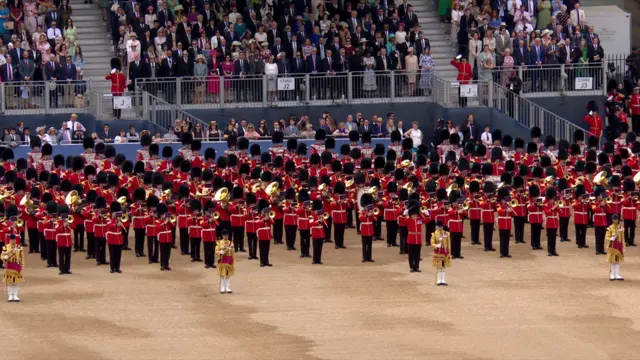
x,y
530,114
164,114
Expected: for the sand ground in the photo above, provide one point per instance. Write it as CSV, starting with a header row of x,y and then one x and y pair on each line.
x,y
528,307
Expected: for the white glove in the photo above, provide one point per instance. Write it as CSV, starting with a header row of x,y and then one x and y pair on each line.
x,y
6,257
222,252
113,71
458,57
405,213
590,112
613,238
438,246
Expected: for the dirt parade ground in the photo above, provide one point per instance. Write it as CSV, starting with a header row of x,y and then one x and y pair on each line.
x,y
528,307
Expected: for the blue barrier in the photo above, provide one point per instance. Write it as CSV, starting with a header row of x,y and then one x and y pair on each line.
x,y
129,150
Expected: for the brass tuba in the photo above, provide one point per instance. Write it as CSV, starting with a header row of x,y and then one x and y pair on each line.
x,y
221,194
601,178
72,198
272,189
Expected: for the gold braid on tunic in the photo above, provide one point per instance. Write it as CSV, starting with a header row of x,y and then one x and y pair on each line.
x,y
225,269
614,255
441,253
15,255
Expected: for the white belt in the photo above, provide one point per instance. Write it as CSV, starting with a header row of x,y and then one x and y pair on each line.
x,y
581,213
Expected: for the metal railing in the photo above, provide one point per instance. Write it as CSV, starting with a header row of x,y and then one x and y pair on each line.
x,y
163,113
290,89
530,114
49,97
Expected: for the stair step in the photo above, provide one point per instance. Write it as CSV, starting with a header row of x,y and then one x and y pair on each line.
x,y
80,18
98,41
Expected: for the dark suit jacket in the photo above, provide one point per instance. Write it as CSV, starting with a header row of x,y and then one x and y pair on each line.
x,y
68,72
318,64
411,21
378,131
380,64
14,55
534,56
51,72
475,131
521,57
419,47
283,66
362,129
163,17
238,68
166,70
275,50
298,66
592,52
335,65
139,71
4,70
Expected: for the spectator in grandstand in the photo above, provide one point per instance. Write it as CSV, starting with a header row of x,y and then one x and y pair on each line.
x,y
229,131
121,138
251,133
132,135
213,132
415,134
263,130
292,130
198,132
486,137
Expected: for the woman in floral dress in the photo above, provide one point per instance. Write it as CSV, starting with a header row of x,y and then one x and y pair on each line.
x,y
426,71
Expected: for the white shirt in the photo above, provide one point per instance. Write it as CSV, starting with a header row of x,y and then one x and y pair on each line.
x,y
271,69
486,139
416,137
70,126
53,33
511,9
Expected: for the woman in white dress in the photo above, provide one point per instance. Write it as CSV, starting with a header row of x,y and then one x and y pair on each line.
x,y
411,65
271,70
475,48
415,134
369,64
401,39
260,36
456,15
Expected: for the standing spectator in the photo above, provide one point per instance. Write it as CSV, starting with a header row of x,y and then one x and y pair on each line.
x,y
106,134
378,129
514,86
70,30
52,73
369,65
411,66
227,72
213,132
426,71
9,74
577,16
350,124
229,131
68,75
486,59
415,134
79,62
271,70
390,127
118,86
486,137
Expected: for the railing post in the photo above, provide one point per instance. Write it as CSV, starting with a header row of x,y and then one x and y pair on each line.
x,y
145,105
3,105
563,85
221,92
349,87
516,108
265,92
47,98
490,89
392,84
99,104
178,92
307,88
541,119
604,78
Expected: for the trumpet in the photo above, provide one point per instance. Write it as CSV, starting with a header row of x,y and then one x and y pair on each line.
x,y
173,219
124,218
325,216
513,203
466,205
19,223
70,219
609,199
216,215
272,214
376,211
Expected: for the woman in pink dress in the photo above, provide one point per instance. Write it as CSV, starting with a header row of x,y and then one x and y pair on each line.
x,y
213,79
508,66
227,71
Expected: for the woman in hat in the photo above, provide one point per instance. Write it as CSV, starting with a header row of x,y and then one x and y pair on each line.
x,y
271,70
369,65
227,72
200,72
411,66
150,16
13,258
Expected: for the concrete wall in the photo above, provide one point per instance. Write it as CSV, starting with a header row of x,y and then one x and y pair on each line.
x,y
89,121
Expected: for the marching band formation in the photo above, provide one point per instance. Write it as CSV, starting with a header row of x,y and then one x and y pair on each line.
x,y
92,201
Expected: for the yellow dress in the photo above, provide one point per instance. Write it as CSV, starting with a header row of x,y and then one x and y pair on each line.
x,y
615,248
226,261
441,243
13,258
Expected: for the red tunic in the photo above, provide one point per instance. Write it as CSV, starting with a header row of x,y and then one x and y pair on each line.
x,y
455,220
366,223
63,234
114,232
580,213
599,215
535,214
504,218
118,83
551,219
595,124
629,210
465,72
414,230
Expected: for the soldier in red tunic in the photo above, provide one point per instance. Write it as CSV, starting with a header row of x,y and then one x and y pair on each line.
x,y
465,76
151,229
208,226
581,216
536,216
118,86
64,239
304,219
138,214
317,227
629,211
164,225
367,218
290,218
49,232
455,216
415,222
115,237
552,222
487,213
505,213
264,231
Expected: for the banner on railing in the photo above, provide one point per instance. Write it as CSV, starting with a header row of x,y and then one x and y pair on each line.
x,y
584,83
122,102
469,90
286,84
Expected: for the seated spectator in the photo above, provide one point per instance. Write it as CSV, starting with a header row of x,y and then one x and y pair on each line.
x,y
53,136
157,137
292,130
308,132
229,131
132,135
213,132
121,138
12,139
170,136
251,133
197,132
262,129
341,130
486,137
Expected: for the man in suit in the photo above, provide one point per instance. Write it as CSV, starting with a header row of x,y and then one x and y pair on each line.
x,y
378,129
384,65
577,16
243,128
503,42
365,127
315,69
9,73
353,22
331,81
106,135
291,129
12,139
26,67
536,57
595,52
68,75
591,34
421,44
241,68
165,16
298,69
471,131
137,70
410,18
52,73
277,47
223,50
168,69
521,54
53,16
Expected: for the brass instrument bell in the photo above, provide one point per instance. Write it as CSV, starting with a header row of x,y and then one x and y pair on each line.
x,y
636,178
216,215
376,211
322,187
221,194
405,163
173,219
325,216
124,218
348,182
408,186
601,178
71,198
272,214
122,200
70,219
20,223
272,189
26,201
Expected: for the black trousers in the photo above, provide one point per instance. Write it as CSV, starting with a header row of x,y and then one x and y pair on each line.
x,y
581,234
43,246
91,246
358,224
551,240
23,239
195,248
173,237
52,250
290,236
536,229
403,239
317,250
475,231
224,224
277,230
264,246
414,256
165,254
115,256
34,240
504,241
367,244
339,234
462,101
139,241
430,229
78,238
305,242
252,242
392,232
518,228
349,217
209,253
487,230
152,248
64,258
456,244
629,232
101,251
600,233
238,238
564,229
327,229
377,228
635,123
184,241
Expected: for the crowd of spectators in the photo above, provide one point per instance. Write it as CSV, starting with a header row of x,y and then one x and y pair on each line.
x,y
39,42
244,40
499,36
